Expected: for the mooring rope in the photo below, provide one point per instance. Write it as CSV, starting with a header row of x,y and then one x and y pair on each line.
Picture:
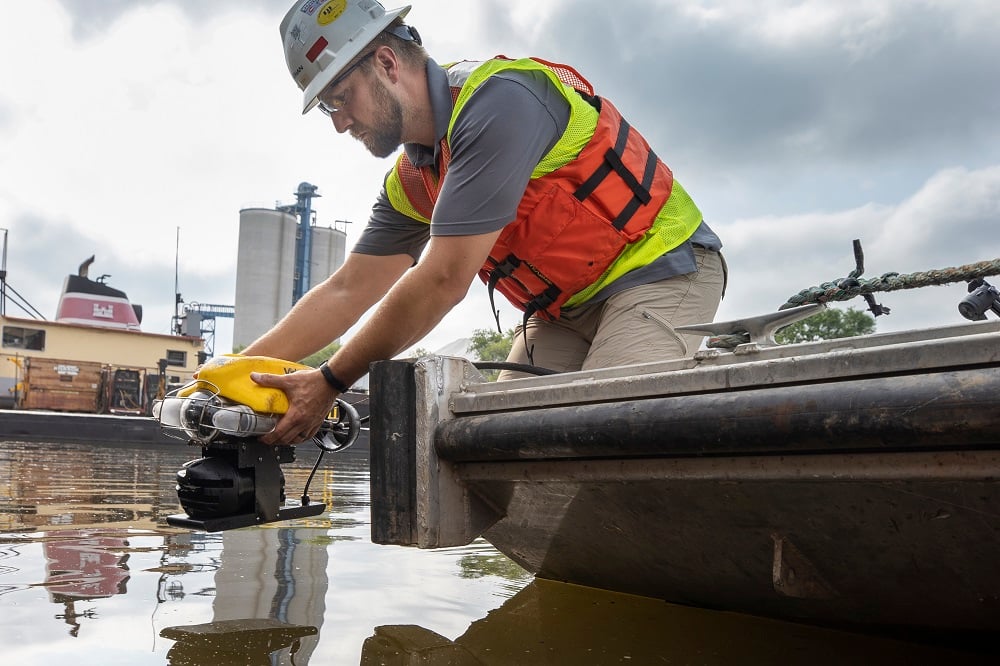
x,y
852,286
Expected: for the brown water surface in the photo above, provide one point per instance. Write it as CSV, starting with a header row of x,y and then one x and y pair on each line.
x,y
90,573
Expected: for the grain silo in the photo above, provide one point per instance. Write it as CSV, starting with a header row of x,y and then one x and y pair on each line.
x,y
329,248
281,255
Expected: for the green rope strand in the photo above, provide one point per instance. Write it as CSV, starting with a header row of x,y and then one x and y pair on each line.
x,y
847,288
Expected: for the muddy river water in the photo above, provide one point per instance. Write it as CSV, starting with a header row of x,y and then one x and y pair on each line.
x,y
91,573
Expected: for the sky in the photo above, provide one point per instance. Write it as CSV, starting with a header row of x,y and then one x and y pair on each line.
x,y
136,130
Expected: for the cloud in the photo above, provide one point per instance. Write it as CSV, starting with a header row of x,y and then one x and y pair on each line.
x,y
90,19
782,94
797,127
939,226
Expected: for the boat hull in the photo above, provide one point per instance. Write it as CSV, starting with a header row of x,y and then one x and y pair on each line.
x,y
851,483
811,540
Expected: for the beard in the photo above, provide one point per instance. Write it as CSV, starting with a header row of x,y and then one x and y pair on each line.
x,y
385,134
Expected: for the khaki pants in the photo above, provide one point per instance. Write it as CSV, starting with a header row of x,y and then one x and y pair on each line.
x,y
633,326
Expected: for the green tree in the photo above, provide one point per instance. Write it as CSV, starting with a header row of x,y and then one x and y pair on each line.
x,y
481,565
491,345
827,325
314,360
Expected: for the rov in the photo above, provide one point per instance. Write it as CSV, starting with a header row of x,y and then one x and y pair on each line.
x,y
237,481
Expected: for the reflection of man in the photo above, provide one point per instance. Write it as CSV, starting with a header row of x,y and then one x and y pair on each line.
x,y
513,170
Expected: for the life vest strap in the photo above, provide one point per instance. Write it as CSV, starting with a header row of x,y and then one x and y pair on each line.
x,y
539,303
613,162
503,269
638,200
588,186
542,301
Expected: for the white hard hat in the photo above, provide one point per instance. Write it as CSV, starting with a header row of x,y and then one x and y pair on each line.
x,y
321,36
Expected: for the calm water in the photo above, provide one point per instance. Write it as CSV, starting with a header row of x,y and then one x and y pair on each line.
x,y
90,573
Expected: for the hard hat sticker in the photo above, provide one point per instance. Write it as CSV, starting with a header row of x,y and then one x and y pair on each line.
x,y
331,11
317,48
310,7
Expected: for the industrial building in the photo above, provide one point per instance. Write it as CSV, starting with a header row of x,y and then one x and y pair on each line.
x,y
93,357
282,254
96,334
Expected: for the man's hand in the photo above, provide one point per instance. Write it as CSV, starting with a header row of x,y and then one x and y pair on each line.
x,y
310,400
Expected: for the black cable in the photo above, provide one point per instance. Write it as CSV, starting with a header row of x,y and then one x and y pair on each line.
x,y
514,367
305,491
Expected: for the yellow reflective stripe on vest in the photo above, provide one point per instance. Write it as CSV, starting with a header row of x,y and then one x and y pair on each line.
x,y
582,121
582,116
397,196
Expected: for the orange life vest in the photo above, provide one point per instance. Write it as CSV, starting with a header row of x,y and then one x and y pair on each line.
x,y
572,223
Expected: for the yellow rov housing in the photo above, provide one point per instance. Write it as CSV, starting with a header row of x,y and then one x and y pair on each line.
x,y
224,401
229,377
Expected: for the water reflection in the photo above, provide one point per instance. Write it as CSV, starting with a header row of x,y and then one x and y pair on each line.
x,y
237,643
90,570
91,573
82,566
271,573
559,624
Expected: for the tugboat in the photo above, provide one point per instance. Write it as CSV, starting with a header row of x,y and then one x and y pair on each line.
x,y
93,303
93,358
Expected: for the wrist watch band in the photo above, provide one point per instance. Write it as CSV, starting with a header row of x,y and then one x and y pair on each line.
x,y
332,380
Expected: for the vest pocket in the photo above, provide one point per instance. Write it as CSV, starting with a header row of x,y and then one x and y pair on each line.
x,y
560,242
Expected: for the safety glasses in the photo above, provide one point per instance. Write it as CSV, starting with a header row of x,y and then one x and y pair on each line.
x,y
331,104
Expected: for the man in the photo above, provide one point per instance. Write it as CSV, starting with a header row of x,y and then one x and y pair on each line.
x,y
513,170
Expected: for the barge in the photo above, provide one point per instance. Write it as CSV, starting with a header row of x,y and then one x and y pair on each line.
x,y
851,482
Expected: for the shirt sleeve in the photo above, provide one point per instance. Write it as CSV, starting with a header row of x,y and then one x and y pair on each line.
x,y
389,232
508,124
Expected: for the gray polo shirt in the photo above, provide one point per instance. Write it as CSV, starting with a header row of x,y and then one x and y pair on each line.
x,y
508,124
